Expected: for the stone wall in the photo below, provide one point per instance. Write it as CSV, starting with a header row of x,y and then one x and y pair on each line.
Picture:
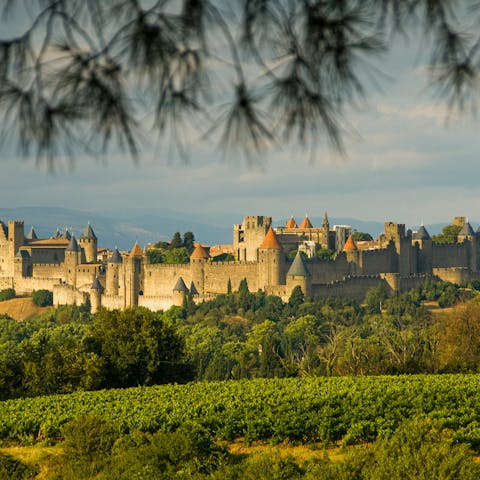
x,y
218,274
449,255
68,295
160,279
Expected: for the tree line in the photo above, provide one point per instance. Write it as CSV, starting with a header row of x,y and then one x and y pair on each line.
x,y
239,335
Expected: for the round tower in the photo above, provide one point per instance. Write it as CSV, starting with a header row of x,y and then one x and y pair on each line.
x,y
72,260
133,274
114,265
353,255
96,291
88,241
270,261
198,259
298,275
180,292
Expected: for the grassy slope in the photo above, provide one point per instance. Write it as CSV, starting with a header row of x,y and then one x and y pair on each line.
x,y
21,308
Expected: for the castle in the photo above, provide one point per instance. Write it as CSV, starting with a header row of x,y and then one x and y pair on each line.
x,y
399,258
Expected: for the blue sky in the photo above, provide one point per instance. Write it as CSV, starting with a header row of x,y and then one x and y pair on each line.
x,y
404,163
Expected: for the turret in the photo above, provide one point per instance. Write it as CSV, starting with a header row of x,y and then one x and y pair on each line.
x,y
291,223
114,266
16,239
353,255
73,257
88,241
32,235
298,275
422,239
326,224
180,291
96,291
133,276
466,234
306,223
198,259
22,264
270,261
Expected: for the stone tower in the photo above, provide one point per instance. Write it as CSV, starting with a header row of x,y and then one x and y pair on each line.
x,y
298,275
249,235
180,291
270,261
73,258
353,255
88,241
467,235
96,291
424,242
198,259
133,276
16,239
114,266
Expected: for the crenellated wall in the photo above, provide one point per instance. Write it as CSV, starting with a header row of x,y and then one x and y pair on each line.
x,y
449,255
217,275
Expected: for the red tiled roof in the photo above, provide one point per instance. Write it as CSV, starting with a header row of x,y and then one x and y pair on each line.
x,y
199,252
350,245
136,251
270,242
291,223
306,223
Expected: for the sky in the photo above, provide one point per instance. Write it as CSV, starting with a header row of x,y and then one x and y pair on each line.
x,y
407,161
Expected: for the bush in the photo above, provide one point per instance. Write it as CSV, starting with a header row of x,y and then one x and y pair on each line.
x,y
11,468
7,294
42,298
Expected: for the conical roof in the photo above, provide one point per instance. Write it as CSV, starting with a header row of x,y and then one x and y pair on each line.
x,y
306,223
180,286
66,235
325,219
57,234
116,257
270,242
298,268
32,235
88,233
136,251
193,289
350,245
73,245
199,252
291,223
96,285
421,234
467,230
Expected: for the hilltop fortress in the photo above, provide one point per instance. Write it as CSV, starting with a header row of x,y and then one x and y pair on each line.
x,y
399,258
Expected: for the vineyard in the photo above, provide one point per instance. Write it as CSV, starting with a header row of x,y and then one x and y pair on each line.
x,y
344,409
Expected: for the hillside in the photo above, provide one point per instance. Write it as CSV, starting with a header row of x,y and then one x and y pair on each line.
x,y
20,308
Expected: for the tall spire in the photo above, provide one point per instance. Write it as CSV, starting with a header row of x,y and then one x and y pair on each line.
x,y
325,221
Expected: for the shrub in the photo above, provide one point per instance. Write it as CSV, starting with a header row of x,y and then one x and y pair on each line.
x,y
42,298
7,294
11,468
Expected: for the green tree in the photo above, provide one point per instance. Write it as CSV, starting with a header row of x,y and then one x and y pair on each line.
x,y
361,236
374,298
138,348
42,298
449,234
296,297
176,241
177,255
188,241
156,255
7,294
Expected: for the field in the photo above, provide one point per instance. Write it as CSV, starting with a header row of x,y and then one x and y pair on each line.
x,y
333,411
21,308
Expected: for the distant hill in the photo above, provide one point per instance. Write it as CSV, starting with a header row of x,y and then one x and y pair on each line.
x,y
123,229
111,232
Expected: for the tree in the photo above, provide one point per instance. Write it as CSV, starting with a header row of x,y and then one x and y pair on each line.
x,y
67,75
296,297
188,241
361,236
42,298
176,241
449,234
137,346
